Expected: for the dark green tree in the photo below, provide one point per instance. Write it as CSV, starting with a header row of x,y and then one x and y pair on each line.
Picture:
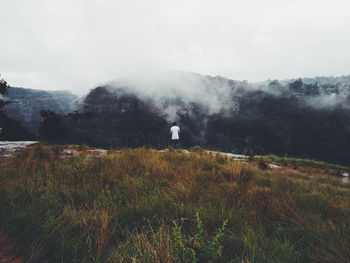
x,y
11,130
296,86
3,91
53,126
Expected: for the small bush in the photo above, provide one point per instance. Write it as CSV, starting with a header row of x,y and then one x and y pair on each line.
x,y
201,246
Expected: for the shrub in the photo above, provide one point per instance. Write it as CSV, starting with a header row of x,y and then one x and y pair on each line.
x,y
201,246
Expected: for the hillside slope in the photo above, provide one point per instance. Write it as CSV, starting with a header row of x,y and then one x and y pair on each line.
x,y
149,206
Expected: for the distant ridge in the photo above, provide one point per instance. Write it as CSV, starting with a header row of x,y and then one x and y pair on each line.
x,y
26,105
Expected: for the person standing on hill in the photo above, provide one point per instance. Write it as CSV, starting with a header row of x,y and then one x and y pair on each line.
x,y
174,131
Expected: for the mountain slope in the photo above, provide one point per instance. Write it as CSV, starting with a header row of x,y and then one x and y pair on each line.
x,y
296,119
26,105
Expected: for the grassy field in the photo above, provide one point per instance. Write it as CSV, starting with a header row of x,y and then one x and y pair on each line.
x,y
148,206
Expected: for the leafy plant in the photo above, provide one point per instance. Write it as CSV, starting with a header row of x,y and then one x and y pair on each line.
x,y
201,247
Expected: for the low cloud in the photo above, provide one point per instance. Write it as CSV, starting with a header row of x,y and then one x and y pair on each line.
x,y
168,90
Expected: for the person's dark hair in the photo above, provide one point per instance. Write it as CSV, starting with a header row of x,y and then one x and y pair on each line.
x,y
174,123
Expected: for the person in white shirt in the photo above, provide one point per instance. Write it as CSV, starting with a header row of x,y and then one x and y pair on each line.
x,y
175,138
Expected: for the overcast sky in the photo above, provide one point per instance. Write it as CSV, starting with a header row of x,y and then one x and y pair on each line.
x,y
78,44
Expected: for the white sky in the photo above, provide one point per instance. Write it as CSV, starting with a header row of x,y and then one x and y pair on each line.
x,y
78,44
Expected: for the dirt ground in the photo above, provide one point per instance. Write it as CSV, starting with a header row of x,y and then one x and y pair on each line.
x,y
8,250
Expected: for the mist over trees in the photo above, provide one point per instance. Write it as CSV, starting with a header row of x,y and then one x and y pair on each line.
x,y
296,119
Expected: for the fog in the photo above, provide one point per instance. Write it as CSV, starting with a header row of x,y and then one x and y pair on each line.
x,y
78,45
330,100
215,93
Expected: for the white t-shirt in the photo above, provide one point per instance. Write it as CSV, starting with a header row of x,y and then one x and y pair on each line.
x,y
175,132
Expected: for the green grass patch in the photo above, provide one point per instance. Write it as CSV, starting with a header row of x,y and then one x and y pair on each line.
x,y
302,162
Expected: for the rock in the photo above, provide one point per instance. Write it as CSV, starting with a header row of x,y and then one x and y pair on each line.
x,y
69,152
98,152
8,148
273,166
231,155
7,155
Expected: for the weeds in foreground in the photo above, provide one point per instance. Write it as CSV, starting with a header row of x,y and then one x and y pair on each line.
x,y
200,247
149,206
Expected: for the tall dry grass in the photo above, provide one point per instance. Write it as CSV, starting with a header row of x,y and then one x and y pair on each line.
x,y
148,206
